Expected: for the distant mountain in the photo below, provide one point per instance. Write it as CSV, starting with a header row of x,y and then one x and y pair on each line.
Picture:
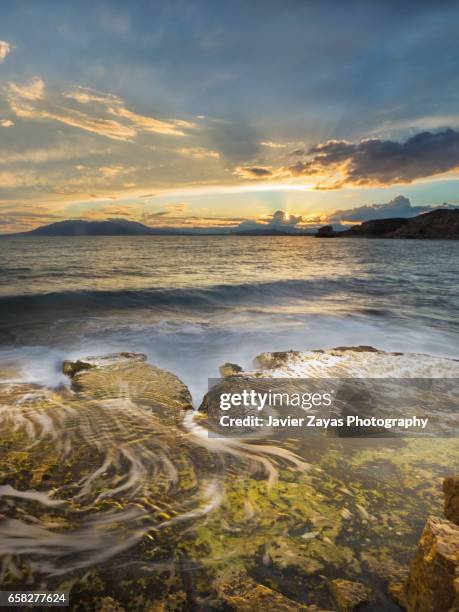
x,y
113,227
123,227
438,224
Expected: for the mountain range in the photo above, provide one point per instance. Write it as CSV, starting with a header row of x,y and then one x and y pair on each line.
x,y
123,227
440,223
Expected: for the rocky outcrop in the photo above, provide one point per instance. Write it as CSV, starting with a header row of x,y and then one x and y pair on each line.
x,y
377,228
451,491
326,231
230,369
433,580
438,224
112,376
349,595
245,595
276,359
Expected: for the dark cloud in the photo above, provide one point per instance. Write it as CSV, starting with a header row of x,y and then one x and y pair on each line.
x,y
398,207
254,172
375,161
161,213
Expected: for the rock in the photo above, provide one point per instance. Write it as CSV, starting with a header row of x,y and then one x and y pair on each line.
x,y
108,604
440,223
376,228
118,375
326,231
361,348
243,594
230,369
173,602
437,224
70,368
349,595
451,491
432,584
352,362
271,361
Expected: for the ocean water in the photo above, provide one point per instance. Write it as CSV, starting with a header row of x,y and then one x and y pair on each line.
x,y
192,303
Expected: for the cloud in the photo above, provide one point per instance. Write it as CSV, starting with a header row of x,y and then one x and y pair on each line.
x,y
374,161
102,114
33,90
6,123
273,145
176,207
161,213
198,153
278,220
254,172
150,124
398,207
85,96
68,151
111,171
5,49
10,179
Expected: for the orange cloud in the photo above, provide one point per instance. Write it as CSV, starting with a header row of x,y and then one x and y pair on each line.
x,y
102,114
5,49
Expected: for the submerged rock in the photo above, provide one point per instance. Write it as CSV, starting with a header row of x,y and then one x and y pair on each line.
x,y
243,594
349,595
451,491
432,584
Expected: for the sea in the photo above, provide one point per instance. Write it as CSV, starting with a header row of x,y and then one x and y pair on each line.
x,y
192,303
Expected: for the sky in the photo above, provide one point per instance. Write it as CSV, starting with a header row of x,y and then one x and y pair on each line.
x,y
217,114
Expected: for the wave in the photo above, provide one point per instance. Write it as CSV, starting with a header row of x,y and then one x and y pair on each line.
x,y
213,296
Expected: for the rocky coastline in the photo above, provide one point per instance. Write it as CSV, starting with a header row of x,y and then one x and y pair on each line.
x,y
437,225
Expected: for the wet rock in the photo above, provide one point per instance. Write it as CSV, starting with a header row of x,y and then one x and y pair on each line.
x,y
432,583
352,362
230,369
108,604
451,491
128,375
361,348
349,595
70,368
172,603
271,361
243,594
73,367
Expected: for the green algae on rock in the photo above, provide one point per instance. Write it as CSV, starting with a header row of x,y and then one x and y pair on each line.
x,y
152,513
